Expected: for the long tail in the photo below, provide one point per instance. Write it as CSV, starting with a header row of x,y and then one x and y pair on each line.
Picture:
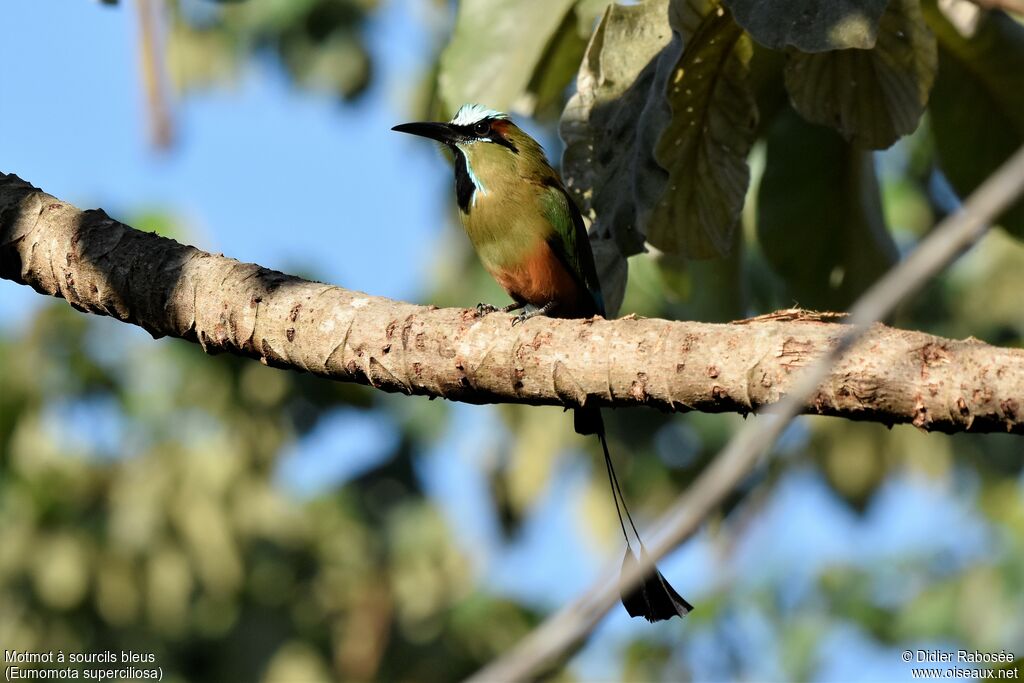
x,y
654,599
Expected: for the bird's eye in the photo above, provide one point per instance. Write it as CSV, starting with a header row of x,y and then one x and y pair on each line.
x,y
482,127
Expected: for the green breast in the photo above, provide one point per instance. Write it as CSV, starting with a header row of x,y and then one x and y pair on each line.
x,y
505,228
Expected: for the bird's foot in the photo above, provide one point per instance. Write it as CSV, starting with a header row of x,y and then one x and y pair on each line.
x,y
523,317
485,309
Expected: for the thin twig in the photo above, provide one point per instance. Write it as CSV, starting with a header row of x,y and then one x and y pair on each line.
x,y
161,126
548,644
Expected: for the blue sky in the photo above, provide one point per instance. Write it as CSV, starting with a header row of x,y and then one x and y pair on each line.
x,y
290,179
334,185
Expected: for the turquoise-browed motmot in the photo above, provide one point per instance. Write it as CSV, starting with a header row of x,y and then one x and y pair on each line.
x,y
531,238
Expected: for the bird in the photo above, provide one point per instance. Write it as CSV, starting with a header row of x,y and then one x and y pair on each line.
x,y
530,236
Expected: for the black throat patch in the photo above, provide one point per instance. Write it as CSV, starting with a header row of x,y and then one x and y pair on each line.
x,y
464,187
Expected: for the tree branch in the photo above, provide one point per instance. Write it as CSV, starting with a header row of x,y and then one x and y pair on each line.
x,y
102,266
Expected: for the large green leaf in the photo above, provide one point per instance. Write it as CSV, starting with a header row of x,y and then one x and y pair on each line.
x,y
705,146
610,126
872,97
977,106
557,67
810,25
495,49
819,218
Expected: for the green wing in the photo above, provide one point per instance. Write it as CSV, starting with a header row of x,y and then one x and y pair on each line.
x,y
570,241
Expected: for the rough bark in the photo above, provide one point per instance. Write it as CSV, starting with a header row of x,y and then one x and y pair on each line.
x,y
102,266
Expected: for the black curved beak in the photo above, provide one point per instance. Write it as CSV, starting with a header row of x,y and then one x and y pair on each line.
x,y
441,132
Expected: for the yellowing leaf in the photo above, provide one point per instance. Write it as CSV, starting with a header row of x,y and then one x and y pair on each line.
x,y
705,146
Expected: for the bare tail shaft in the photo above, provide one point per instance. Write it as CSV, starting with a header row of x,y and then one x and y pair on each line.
x,y
654,598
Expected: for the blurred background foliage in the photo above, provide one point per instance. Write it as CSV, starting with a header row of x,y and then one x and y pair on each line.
x,y
318,42
140,511
141,491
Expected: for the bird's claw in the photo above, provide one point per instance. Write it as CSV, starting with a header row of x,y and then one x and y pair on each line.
x,y
484,309
524,316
